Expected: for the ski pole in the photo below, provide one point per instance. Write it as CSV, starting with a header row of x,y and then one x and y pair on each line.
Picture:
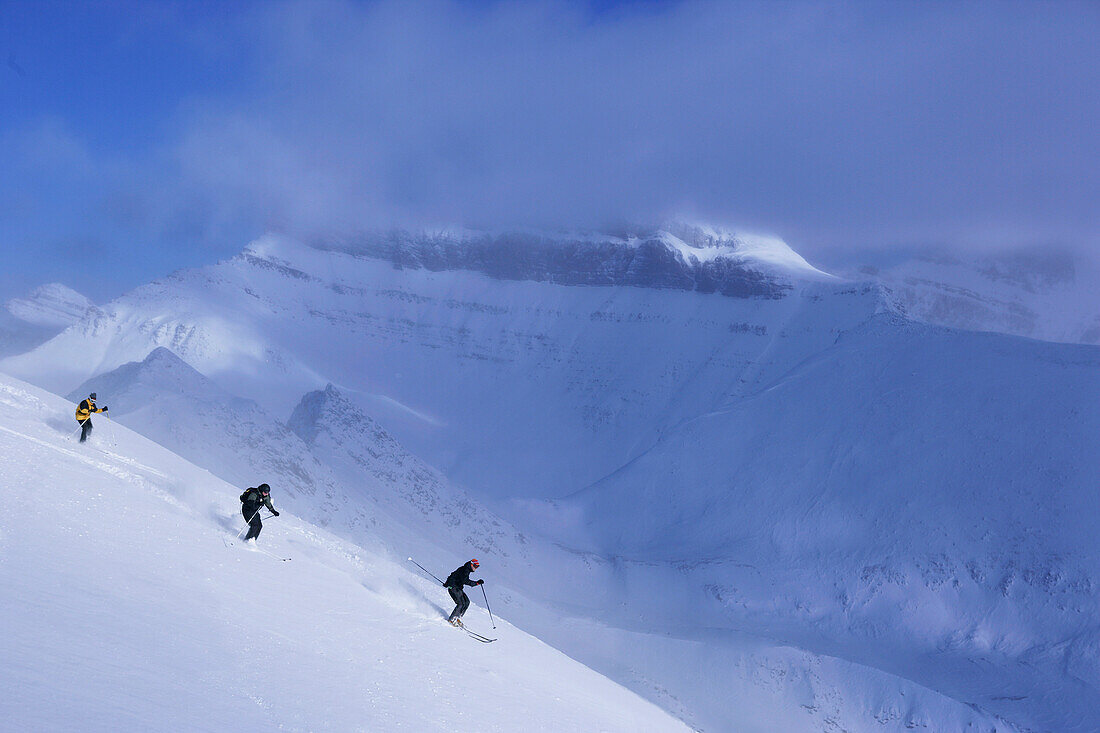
x,y
414,562
487,605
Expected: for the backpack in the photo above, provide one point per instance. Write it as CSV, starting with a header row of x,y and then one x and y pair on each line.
x,y
245,496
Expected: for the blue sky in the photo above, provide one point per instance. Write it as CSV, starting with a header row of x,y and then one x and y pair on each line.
x,y
138,138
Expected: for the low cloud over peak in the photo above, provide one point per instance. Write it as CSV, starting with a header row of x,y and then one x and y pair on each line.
x,y
833,125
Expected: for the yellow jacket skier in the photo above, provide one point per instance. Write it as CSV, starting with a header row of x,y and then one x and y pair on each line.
x,y
84,415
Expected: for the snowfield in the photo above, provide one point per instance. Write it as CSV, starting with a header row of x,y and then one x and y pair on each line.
x,y
123,609
794,510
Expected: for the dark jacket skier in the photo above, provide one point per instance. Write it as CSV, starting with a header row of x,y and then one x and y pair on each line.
x,y
455,585
84,415
252,500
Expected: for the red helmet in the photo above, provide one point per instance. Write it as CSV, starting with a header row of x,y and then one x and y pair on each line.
x,y
474,563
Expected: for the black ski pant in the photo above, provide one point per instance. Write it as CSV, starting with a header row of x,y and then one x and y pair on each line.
x,y
86,429
252,516
462,602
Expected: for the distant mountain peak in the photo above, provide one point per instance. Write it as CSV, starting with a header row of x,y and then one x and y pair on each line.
x,y
676,255
161,372
162,355
707,242
51,305
328,410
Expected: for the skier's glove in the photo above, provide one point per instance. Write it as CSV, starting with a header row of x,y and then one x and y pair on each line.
x,y
105,408
481,582
275,512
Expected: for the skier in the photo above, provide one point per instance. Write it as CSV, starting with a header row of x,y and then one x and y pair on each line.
x,y
84,415
455,586
252,500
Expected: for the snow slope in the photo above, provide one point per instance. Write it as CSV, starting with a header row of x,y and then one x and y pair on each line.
x,y
940,501
123,609
561,594
332,464
166,400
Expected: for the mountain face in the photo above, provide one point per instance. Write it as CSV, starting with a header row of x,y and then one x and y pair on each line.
x,y
882,518
409,491
27,322
939,497
1047,295
509,387
676,256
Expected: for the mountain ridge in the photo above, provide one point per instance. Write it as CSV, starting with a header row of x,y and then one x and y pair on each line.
x,y
676,255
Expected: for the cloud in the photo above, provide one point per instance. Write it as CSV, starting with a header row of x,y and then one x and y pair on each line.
x,y
833,125
830,122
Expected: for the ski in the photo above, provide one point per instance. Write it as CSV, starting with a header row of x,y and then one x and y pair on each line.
x,y
479,637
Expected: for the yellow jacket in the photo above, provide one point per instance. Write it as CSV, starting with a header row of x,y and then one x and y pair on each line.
x,y
85,409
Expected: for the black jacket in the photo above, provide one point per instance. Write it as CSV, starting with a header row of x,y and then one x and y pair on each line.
x,y
253,500
460,577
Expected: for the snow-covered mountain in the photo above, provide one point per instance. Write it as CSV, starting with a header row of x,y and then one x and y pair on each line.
x,y
511,387
794,499
123,609
676,255
938,499
1048,295
33,320
568,598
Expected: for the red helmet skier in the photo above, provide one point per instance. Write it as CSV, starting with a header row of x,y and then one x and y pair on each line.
x,y
455,585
